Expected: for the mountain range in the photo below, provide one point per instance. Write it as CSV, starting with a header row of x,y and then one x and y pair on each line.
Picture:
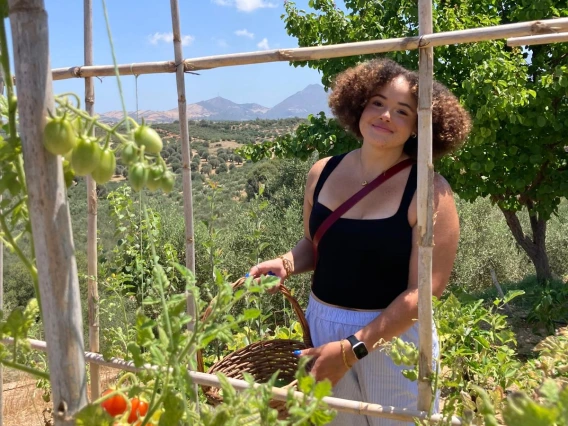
x,y
310,100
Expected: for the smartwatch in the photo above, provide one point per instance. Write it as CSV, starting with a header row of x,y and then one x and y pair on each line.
x,y
358,347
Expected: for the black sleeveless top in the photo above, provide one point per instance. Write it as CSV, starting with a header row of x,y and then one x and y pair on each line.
x,y
362,263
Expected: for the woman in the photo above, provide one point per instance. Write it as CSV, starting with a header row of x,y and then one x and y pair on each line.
x,y
365,281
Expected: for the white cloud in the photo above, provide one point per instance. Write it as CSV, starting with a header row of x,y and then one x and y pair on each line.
x,y
156,38
263,44
244,33
222,43
250,5
245,5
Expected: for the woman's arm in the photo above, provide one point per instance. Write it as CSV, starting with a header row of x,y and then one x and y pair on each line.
x,y
401,314
301,256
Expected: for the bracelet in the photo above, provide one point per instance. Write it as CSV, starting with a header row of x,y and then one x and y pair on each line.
x,y
344,356
287,266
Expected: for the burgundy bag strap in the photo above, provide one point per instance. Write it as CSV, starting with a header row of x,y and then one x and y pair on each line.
x,y
347,205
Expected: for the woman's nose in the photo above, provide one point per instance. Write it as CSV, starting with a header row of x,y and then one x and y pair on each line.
x,y
386,115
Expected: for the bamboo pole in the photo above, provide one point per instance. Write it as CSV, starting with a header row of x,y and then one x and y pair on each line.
x,y
92,272
424,199
322,52
186,158
538,39
206,379
1,308
49,213
1,285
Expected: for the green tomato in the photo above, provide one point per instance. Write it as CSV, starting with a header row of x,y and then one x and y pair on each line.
x,y
155,178
396,357
59,136
86,156
167,182
106,167
129,153
149,138
68,173
138,175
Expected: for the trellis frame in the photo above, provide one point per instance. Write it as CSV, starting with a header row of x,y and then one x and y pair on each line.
x,y
66,361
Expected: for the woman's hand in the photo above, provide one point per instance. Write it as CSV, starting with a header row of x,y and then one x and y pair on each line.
x,y
328,361
273,267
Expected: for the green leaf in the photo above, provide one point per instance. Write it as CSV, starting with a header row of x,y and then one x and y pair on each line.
x,y
520,410
251,313
541,121
93,415
322,389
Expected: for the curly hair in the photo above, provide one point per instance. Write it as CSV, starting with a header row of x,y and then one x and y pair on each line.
x,y
352,88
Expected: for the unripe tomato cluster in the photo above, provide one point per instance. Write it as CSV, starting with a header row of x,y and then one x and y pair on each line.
x,y
403,353
140,173
83,154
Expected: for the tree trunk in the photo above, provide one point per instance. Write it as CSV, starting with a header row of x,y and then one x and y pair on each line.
x,y
534,247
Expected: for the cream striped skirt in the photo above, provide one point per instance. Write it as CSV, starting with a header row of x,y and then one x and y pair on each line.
x,y
374,379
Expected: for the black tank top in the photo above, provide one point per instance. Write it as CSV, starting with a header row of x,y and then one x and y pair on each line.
x,y
362,264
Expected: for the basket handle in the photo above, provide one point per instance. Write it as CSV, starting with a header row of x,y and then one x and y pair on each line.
x,y
295,305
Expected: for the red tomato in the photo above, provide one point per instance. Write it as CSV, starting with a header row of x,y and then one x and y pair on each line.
x,y
115,405
138,410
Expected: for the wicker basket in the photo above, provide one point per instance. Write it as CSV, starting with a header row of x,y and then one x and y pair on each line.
x,y
261,359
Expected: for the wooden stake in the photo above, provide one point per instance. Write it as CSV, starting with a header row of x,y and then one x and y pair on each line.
x,y
538,39
49,213
322,52
186,158
92,270
425,215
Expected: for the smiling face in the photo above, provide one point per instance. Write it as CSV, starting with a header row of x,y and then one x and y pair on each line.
x,y
390,116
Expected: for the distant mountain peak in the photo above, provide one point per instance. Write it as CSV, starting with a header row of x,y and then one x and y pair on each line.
x,y
310,100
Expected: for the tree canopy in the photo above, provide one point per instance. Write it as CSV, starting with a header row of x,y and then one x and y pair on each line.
x,y
518,97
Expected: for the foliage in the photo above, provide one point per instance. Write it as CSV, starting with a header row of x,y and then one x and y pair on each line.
x,y
547,384
516,147
476,347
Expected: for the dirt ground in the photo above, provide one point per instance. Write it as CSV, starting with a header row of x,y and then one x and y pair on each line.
x,y
23,405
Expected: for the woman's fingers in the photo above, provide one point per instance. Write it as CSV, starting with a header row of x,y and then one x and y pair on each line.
x,y
309,351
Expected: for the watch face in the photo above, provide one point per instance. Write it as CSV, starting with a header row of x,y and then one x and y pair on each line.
x,y
360,350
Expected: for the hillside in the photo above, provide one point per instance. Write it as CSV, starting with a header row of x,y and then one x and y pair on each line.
x,y
310,100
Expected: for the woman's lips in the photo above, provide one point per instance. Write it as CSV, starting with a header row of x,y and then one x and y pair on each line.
x,y
382,128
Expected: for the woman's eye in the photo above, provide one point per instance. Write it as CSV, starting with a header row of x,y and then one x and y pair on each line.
x,y
402,112
377,103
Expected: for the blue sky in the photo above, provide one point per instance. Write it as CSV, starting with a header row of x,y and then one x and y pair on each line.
x,y
141,31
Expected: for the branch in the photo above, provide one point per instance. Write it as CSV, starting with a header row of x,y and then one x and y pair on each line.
x,y
523,198
517,229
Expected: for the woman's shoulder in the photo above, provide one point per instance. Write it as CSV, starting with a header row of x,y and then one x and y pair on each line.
x,y
314,174
441,185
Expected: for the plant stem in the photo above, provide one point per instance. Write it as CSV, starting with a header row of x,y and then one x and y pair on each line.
x,y
115,66
25,369
10,239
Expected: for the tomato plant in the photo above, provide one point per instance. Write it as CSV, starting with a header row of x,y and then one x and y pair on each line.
x,y
85,156
138,409
106,167
138,176
147,137
129,153
59,136
154,181
114,405
167,182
